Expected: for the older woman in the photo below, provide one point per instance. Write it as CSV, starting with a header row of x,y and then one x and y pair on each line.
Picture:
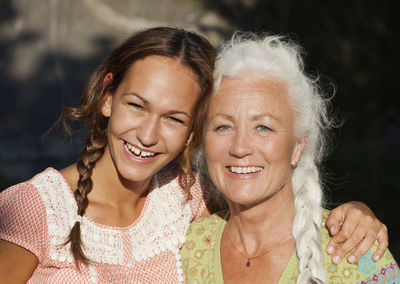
x,y
263,140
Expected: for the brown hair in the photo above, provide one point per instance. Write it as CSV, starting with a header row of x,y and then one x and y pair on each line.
x,y
190,49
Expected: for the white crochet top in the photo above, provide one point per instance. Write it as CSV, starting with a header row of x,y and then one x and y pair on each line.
x,y
144,252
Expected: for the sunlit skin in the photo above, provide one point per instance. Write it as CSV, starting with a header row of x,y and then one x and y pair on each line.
x,y
249,148
250,124
151,110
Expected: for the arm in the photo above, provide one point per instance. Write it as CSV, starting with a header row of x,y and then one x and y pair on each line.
x,y
354,226
16,263
23,231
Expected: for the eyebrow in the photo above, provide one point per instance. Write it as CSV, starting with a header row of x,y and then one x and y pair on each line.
x,y
260,116
229,117
146,102
253,118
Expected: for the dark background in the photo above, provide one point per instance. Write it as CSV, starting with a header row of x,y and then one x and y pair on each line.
x,y
353,44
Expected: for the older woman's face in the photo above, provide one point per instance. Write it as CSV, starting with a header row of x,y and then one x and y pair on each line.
x,y
249,142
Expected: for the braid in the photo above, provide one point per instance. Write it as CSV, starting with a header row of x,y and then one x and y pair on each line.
x,y
190,49
93,151
308,202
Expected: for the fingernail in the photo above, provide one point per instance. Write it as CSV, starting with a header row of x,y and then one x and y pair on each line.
x,y
376,258
330,249
351,259
336,259
332,229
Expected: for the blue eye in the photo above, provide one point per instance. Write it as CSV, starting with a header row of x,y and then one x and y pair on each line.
x,y
263,128
222,128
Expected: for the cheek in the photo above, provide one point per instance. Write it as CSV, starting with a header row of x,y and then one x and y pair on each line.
x,y
122,119
174,138
277,150
214,147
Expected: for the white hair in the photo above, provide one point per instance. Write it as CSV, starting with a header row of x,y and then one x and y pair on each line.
x,y
281,58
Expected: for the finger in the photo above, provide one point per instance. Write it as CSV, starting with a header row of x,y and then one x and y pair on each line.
x,y
351,223
335,220
346,240
354,238
383,244
343,249
363,247
331,247
339,239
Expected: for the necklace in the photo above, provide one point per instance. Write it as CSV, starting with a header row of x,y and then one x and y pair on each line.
x,y
249,258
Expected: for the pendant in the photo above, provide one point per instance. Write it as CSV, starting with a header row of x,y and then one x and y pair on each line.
x,y
248,262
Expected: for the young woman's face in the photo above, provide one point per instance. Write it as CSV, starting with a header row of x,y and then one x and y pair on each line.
x,y
249,139
149,116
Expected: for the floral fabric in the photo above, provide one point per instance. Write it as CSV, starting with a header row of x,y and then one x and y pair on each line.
x,y
201,258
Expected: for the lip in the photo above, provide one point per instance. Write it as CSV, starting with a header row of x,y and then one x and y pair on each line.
x,y
243,175
138,159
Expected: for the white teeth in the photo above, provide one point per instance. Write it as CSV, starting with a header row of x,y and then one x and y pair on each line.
x,y
137,152
245,170
147,154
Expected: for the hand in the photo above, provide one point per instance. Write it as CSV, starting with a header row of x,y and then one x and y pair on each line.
x,y
354,225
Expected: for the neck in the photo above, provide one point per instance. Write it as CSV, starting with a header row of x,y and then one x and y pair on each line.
x,y
264,225
110,186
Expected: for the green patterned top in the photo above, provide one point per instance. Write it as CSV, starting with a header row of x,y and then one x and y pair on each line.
x,y
201,258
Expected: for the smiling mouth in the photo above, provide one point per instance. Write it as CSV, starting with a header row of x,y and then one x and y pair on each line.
x,y
244,170
137,152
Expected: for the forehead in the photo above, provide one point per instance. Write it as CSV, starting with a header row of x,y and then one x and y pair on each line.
x,y
162,65
261,93
160,74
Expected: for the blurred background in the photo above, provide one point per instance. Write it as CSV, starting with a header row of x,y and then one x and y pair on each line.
x,y
48,49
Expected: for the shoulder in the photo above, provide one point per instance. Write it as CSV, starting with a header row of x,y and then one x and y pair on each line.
x,y
23,214
386,270
203,232
210,221
24,192
200,251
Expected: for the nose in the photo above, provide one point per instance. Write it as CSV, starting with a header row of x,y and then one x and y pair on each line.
x,y
240,144
148,132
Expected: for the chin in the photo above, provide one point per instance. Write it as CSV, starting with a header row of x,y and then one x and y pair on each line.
x,y
135,175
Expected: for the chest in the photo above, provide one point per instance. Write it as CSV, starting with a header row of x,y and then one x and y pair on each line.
x,y
148,246
268,268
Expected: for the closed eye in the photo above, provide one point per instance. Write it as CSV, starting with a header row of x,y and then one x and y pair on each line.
x,y
174,119
137,106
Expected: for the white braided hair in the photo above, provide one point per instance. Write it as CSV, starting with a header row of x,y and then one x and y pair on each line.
x,y
280,58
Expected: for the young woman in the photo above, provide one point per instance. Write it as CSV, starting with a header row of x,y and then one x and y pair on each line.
x,y
121,213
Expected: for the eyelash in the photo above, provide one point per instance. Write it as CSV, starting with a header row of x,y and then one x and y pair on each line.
x,y
263,128
135,105
176,119
222,128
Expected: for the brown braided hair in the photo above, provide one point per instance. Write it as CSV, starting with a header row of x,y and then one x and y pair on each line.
x,y
190,49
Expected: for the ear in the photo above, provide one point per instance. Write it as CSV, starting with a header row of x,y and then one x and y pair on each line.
x,y
107,96
189,139
298,150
